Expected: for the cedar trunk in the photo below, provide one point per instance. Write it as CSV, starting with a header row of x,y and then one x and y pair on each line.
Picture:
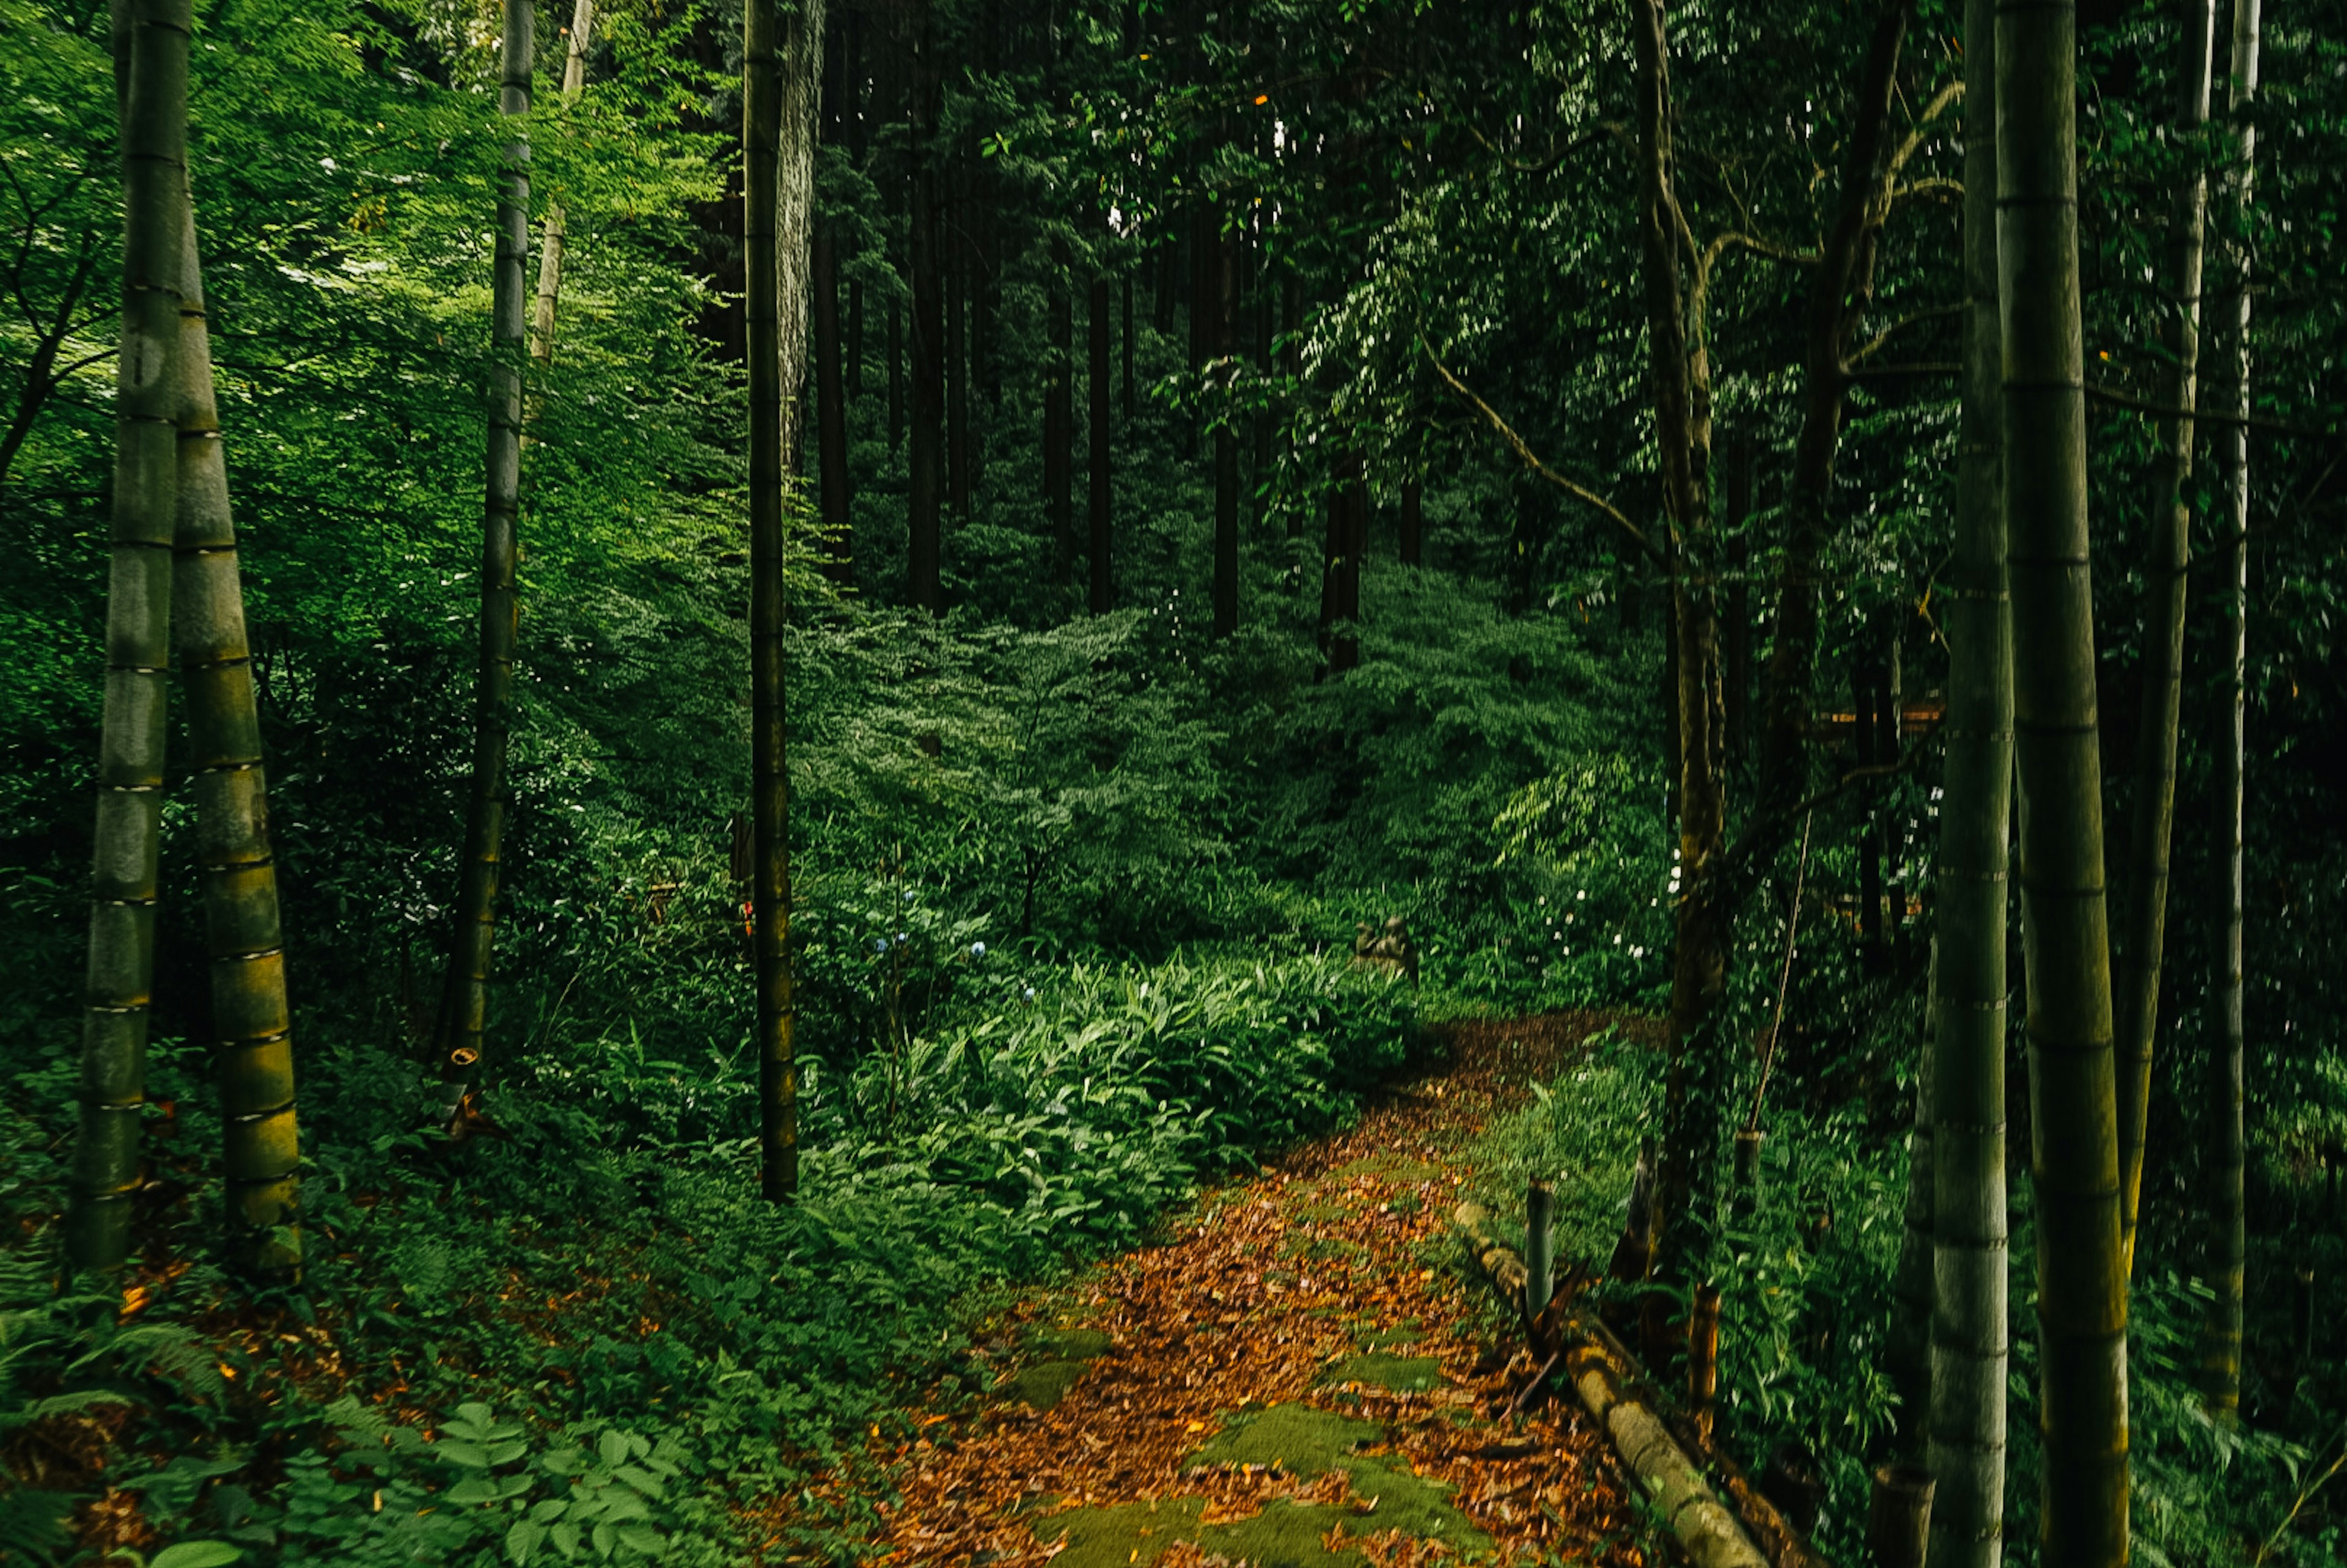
x,y
2081,1276
928,327
830,414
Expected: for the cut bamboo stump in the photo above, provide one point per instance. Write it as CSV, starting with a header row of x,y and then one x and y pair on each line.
x,y
1704,1527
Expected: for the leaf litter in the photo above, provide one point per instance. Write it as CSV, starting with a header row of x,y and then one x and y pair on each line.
x,y
1294,1379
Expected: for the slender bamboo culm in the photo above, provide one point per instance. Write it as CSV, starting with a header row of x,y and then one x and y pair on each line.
x,y
150,45
2228,1195
465,1000
252,1028
2082,1306
1965,1450
2134,998
551,234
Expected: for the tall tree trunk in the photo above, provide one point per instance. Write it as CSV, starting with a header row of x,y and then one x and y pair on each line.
x,y
150,75
2081,1276
1124,343
1340,570
549,248
831,413
958,485
252,1028
1969,1328
1102,586
464,999
928,410
778,127
1219,303
1737,657
896,373
1059,421
1839,283
2228,1207
1412,543
1703,925
2142,916
1291,321
1908,1350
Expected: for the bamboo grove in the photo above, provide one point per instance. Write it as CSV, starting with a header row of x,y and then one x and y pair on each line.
x,y
1018,490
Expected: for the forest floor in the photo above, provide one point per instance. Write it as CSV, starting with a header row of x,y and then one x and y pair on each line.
x,y
1297,1377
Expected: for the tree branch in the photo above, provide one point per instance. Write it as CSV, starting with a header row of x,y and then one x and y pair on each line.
x,y
1931,111
2118,399
1926,367
1884,336
1934,186
1524,453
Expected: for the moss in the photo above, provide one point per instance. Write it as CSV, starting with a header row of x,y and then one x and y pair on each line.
x,y
1410,1503
1286,1534
1071,1344
1402,1374
1300,1439
1043,1384
1130,1535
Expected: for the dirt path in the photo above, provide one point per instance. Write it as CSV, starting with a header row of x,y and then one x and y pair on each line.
x,y
1293,1381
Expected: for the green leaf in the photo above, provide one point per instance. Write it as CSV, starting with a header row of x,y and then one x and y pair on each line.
x,y
613,1448
197,1554
524,1539
605,1540
643,1538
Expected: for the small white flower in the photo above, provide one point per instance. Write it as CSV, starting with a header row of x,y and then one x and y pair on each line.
x,y
977,949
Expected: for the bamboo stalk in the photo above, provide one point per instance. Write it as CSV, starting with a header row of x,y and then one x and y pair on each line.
x,y
2082,1309
252,1028
2227,1195
150,51
465,1001
1968,1314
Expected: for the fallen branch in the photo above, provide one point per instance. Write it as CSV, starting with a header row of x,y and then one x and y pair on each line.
x,y
1706,1527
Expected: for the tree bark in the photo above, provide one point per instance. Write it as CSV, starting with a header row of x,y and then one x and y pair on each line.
x,y
2081,1276
831,416
2227,1205
464,999
1340,570
1124,343
1103,597
957,367
1839,284
253,1027
1412,543
2143,915
151,66
896,373
927,369
1969,1317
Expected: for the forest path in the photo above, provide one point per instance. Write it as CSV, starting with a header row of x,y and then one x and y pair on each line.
x,y
1294,1379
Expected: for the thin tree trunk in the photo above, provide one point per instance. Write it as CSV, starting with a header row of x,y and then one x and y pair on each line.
x,y
831,413
2081,1276
151,74
1702,926
1840,281
1058,420
1412,542
252,1028
929,331
549,250
1908,1351
2143,915
1124,342
1291,321
1219,303
1102,586
855,339
957,367
466,994
896,373
2228,1207
797,130
1737,657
